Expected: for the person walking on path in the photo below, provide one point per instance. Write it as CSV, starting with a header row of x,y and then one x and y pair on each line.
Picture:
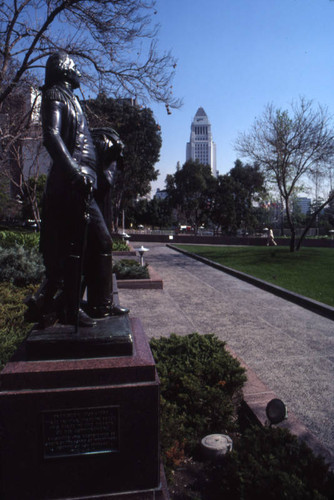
x,y
271,239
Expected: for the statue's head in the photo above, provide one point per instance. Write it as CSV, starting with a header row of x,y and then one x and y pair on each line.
x,y
61,68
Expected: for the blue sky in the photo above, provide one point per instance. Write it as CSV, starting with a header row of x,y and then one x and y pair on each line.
x,y
236,56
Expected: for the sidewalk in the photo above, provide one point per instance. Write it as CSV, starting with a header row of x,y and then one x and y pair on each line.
x,y
290,349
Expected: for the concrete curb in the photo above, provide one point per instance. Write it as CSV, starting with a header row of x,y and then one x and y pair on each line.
x,y
124,253
312,305
256,396
154,282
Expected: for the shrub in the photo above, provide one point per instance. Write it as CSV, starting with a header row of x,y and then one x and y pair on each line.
x,y
20,266
200,389
267,463
120,246
10,239
13,328
130,269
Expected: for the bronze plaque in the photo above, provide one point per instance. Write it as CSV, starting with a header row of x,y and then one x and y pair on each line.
x,y
80,431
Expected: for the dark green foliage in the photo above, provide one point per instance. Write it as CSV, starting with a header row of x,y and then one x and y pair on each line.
x,y
232,206
267,463
119,245
142,139
191,190
130,269
226,201
200,386
153,213
27,240
13,328
20,266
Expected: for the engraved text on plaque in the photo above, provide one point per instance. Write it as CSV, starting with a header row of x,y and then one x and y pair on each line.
x,y
80,431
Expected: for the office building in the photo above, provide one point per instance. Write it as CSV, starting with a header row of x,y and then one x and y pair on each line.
x,y
201,146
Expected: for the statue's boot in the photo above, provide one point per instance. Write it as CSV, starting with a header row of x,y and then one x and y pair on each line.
x,y
43,304
99,289
72,314
117,310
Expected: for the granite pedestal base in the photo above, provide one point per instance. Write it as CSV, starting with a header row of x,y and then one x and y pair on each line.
x,y
81,428
112,336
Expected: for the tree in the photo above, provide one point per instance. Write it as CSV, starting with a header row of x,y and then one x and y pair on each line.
x,y
21,150
142,138
329,212
33,191
223,213
191,191
154,213
288,149
114,40
234,196
248,188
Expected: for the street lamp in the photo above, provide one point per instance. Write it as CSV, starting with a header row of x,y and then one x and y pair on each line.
x,y
141,252
125,236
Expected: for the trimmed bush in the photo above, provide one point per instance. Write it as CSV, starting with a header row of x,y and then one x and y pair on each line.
x,y
200,394
268,463
13,328
120,246
10,239
130,269
200,390
20,266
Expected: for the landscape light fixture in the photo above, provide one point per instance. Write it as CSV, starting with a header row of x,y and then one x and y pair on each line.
x,y
276,411
215,446
141,252
125,236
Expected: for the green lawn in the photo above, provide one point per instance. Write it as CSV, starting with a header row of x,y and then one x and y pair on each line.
x,y
309,272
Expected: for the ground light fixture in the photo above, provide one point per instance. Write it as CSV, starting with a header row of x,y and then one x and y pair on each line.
x,y
125,236
141,252
276,411
215,446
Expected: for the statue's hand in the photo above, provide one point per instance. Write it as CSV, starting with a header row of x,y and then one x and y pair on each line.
x,y
82,183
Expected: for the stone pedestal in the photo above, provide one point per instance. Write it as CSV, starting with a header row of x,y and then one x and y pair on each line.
x,y
81,428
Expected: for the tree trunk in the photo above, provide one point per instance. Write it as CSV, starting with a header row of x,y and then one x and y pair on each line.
x,y
314,215
292,241
291,227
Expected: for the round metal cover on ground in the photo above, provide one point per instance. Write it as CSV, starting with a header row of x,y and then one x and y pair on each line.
x,y
216,445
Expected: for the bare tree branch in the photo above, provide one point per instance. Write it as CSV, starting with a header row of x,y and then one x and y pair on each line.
x,y
114,40
289,148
